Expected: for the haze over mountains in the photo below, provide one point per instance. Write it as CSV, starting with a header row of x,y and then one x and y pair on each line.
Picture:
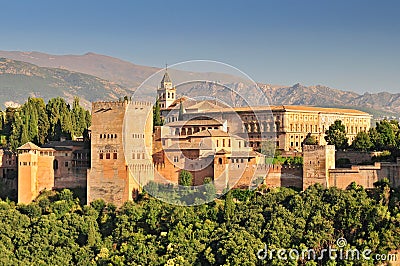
x,y
124,73
103,78
20,80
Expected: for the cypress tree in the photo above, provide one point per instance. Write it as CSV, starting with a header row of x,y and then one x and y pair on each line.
x,y
229,206
43,122
15,135
180,115
157,121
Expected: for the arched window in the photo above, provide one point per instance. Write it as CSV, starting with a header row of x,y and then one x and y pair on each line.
x,y
55,164
219,160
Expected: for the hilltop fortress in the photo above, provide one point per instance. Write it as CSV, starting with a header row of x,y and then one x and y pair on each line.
x,y
126,151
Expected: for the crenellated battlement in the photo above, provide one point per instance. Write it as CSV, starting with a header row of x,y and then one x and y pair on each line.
x,y
311,148
141,103
108,104
278,168
123,103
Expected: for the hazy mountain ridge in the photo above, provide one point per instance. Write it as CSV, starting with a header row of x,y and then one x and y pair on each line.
x,y
130,76
324,96
109,68
19,80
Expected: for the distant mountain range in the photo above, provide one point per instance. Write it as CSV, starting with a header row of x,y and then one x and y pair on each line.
x,y
109,68
379,104
20,80
99,77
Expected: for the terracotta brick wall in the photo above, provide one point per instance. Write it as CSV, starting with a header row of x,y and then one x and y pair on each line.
x,y
284,176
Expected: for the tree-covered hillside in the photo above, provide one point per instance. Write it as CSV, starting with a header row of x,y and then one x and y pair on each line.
x,y
57,230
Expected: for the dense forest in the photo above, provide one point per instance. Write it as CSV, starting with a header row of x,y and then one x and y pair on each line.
x,y
39,122
57,230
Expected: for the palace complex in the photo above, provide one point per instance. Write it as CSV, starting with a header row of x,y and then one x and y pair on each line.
x,y
206,138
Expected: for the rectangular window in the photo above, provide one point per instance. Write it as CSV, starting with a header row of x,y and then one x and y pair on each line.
x,y
133,156
217,143
176,159
229,142
115,156
66,164
101,156
223,143
107,155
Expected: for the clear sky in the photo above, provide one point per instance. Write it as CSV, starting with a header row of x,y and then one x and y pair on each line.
x,y
345,44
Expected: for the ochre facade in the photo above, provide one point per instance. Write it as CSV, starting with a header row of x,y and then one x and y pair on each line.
x,y
286,125
35,171
366,175
121,145
71,162
317,160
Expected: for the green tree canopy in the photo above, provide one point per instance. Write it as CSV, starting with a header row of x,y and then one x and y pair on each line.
x,y
157,121
37,122
181,111
336,135
310,140
56,229
386,137
362,141
80,118
185,178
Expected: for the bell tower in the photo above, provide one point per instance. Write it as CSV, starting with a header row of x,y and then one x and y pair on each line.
x,y
166,93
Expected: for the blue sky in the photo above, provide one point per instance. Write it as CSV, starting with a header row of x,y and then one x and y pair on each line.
x,y
349,45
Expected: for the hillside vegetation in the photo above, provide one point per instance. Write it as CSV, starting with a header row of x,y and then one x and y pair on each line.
x,y
57,230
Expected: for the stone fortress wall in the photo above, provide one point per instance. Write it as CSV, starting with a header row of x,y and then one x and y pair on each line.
x,y
121,135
